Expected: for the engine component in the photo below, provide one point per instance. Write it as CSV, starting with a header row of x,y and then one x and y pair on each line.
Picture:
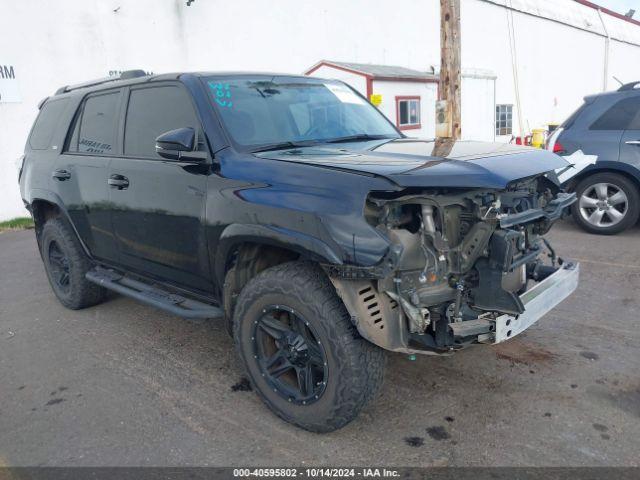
x,y
455,257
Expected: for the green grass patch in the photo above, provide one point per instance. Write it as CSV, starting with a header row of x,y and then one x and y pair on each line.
x,y
19,223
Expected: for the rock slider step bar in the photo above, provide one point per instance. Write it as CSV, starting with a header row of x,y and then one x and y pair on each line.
x,y
152,295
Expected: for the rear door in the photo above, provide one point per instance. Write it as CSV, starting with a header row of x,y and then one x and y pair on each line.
x,y
81,171
159,204
630,143
602,138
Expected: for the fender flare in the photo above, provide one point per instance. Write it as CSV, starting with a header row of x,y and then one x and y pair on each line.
x,y
51,197
236,234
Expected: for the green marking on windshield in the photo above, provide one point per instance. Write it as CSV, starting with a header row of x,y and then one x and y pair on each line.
x,y
222,94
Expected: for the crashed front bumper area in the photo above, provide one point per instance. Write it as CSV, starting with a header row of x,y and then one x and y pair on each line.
x,y
380,320
463,267
538,301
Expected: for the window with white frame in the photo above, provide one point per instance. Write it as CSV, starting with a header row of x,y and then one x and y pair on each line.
x,y
408,112
504,119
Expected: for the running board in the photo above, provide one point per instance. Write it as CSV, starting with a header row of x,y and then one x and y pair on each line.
x,y
151,295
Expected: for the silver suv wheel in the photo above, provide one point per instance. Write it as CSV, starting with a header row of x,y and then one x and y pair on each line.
x,y
603,205
608,203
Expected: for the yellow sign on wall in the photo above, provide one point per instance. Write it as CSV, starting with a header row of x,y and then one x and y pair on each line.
x,y
376,99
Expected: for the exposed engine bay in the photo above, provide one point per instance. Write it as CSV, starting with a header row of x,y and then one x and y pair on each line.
x,y
459,260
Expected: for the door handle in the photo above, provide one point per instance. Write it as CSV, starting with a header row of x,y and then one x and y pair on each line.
x,y
61,175
118,181
633,142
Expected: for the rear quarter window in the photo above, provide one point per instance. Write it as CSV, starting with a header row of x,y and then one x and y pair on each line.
x,y
568,123
620,116
46,123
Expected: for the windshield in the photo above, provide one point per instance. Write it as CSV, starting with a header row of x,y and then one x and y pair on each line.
x,y
269,111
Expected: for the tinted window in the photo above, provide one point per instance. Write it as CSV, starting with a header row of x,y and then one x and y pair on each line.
x,y
568,123
635,123
152,112
95,125
259,111
46,123
620,116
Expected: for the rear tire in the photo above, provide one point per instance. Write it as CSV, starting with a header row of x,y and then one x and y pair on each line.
x,y
291,313
66,265
608,203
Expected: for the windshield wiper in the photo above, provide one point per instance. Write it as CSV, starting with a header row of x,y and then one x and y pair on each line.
x,y
282,145
359,137
310,143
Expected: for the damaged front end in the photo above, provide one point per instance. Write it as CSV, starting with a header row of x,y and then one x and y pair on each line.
x,y
463,266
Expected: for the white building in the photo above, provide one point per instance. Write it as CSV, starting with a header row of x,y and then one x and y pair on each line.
x,y
408,97
560,50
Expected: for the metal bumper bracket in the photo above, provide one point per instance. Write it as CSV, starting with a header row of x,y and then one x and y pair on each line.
x,y
538,301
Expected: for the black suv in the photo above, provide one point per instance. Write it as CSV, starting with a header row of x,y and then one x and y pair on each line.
x,y
293,209
602,141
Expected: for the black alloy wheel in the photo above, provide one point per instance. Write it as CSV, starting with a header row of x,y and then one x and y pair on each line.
x,y
66,265
59,266
290,356
301,351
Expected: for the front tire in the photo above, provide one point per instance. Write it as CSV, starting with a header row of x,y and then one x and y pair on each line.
x,y
301,352
607,203
66,265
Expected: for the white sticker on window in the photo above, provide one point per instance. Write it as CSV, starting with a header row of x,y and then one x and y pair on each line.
x,y
344,93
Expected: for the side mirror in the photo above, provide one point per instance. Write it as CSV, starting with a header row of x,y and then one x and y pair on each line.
x,y
179,144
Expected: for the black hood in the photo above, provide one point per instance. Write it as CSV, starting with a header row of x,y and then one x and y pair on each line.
x,y
429,163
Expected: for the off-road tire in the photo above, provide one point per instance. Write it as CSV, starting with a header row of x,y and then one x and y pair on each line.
x,y
622,183
80,292
355,366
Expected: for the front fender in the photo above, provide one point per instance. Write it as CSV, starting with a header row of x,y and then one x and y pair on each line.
x,y
306,245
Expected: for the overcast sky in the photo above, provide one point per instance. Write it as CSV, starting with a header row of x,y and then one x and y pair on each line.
x,y
621,6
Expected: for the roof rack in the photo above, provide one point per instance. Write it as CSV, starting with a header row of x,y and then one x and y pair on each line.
x,y
128,74
628,86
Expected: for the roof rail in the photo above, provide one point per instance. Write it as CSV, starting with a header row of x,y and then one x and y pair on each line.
x,y
128,74
628,86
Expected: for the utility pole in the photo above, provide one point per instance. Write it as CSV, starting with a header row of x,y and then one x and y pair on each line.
x,y
448,111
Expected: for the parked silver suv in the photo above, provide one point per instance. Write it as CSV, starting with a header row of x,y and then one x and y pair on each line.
x,y
602,141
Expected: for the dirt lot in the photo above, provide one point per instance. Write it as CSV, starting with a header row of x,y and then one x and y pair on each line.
x,y
125,384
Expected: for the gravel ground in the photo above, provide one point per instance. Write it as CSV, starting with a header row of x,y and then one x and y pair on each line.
x,y
125,384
